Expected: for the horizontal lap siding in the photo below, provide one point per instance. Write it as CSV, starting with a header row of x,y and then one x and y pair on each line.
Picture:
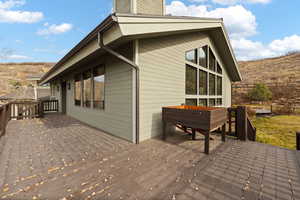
x,y
116,118
151,7
162,63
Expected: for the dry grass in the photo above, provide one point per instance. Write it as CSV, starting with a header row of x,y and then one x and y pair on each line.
x,y
278,130
18,72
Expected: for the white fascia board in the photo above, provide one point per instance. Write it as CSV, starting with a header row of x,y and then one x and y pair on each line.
x,y
131,29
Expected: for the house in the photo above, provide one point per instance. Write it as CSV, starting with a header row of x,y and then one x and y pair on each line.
x,y
138,60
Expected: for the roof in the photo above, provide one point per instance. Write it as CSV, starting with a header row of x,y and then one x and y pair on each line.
x,y
118,28
36,77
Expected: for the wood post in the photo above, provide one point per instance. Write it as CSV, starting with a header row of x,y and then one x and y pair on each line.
x,y
298,141
193,134
230,122
241,123
224,133
41,109
206,145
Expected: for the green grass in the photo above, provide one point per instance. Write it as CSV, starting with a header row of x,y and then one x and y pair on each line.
x,y
278,130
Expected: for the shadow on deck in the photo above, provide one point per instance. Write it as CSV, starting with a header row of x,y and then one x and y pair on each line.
x,y
58,157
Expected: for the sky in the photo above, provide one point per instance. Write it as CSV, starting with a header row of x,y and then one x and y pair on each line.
x,y
45,30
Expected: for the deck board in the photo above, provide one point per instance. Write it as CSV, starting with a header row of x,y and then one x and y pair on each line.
x,y
59,157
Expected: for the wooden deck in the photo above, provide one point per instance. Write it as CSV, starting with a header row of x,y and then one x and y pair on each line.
x,y
60,158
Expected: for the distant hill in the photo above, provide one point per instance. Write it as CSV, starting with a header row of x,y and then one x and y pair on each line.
x,y
277,73
11,73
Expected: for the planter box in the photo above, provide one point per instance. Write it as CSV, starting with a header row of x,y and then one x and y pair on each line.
x,y
203,118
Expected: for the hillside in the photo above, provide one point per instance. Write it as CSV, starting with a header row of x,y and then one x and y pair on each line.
x,y
277,73
18,72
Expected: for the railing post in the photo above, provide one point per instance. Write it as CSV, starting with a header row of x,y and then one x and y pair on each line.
x,y
41,109
241,122
298,141
3,120
230,122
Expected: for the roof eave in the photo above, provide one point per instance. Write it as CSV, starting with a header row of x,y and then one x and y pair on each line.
x,y
107,22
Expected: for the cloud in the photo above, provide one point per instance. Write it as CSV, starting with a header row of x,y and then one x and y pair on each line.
x,y
55,29
232,2
241,25
239,21
248,49
8,54
7,15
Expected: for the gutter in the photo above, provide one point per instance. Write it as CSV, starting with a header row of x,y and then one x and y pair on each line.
x,y
134,66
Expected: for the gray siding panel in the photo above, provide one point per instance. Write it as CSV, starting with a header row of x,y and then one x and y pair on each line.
x,y
162,63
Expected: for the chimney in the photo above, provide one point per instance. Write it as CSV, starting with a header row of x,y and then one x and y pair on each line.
x,y
143,7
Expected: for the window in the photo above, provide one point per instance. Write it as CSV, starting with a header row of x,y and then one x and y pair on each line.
x,y
191,80
191,56
204,78
87,89
202,82
191,102
203,102
219,69
219,102
212,84
99,81
203,56
212,102
219,85
212,61
77,90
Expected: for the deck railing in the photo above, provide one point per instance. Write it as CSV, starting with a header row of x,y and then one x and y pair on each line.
x,y
26,110
50,106
19,110
4,117
243,127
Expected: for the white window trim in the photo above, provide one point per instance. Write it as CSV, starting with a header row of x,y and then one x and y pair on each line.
x,y
208,71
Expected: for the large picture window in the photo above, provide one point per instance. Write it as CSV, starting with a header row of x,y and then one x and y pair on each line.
x,y
191,56
191,102
212,61
204,78
219,85
87,89
202,82
203,56
77,90
212,84
191,80
99,81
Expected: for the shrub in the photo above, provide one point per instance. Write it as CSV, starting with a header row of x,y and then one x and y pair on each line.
x,y
15,84
261,92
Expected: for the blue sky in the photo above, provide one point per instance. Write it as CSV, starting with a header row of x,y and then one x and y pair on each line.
x,y
43,31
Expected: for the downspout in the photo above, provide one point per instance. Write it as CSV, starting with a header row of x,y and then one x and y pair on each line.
x,y
137,82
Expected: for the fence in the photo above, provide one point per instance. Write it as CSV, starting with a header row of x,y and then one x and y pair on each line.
x,y
20,110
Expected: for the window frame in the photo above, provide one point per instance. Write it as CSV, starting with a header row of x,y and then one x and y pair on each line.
x,y
93,87
74,91
208,71
91,71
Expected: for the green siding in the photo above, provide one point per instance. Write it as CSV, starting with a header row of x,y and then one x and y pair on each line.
x,y
116,118
162,63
